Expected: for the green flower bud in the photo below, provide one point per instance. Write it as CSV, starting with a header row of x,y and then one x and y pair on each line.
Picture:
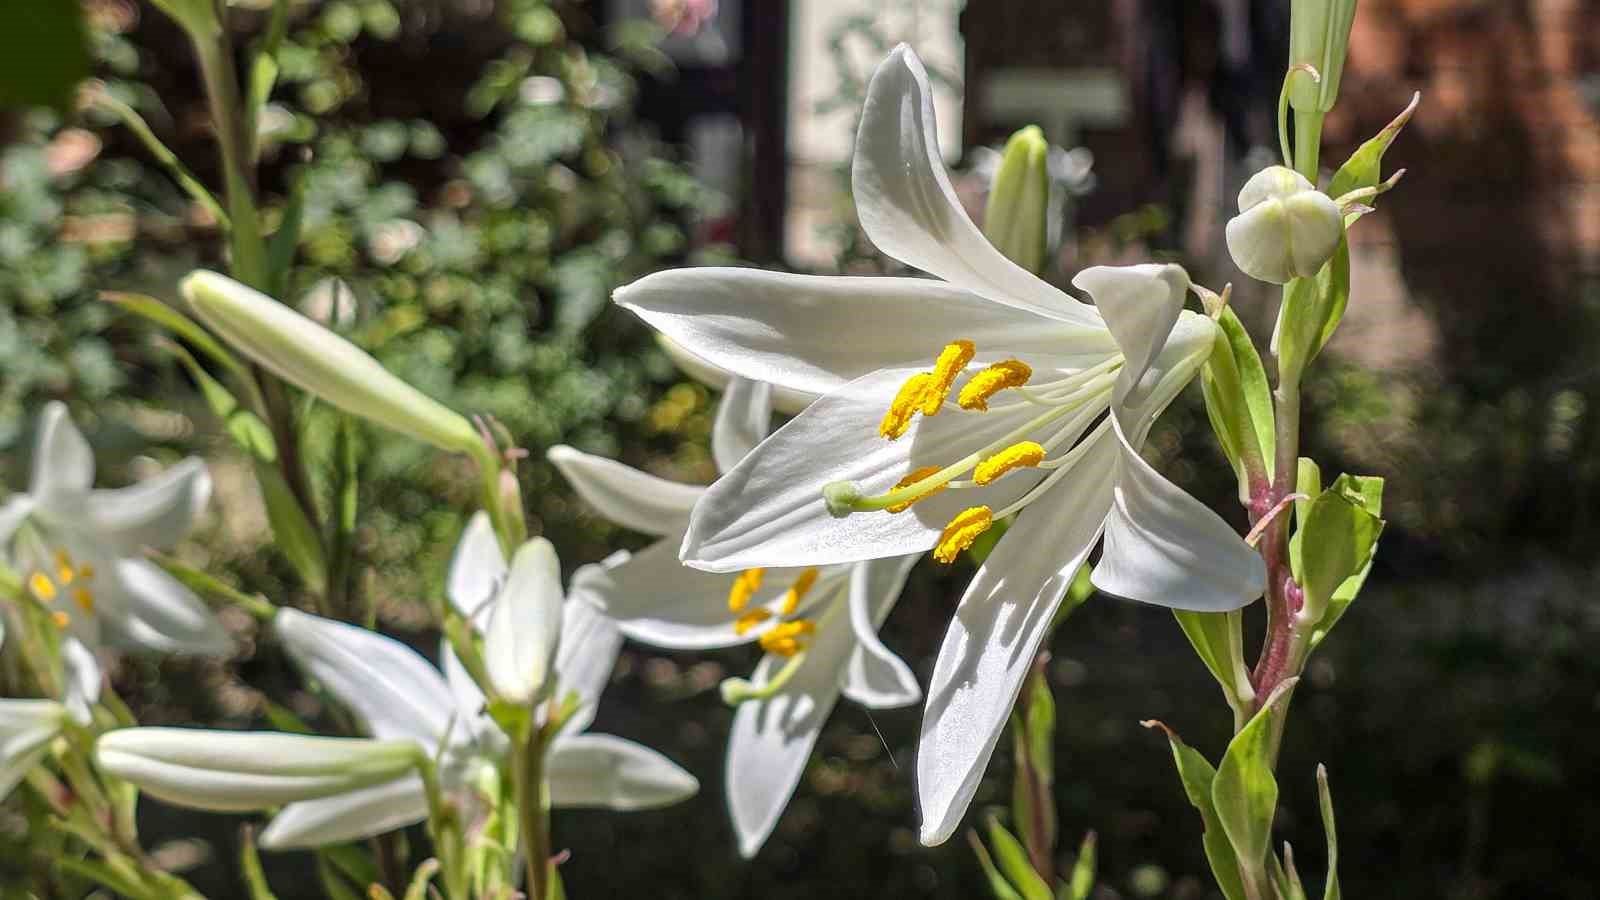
x,y
1016,218
1319,34
1285,229
315,359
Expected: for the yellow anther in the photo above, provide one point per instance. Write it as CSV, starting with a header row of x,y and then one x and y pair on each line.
x,y
952,361
785,639
744,587
84,599
86,571
743,624
44,590
61,619
979,388
1016,456
898,418
962,531
911,479
791,599
64,571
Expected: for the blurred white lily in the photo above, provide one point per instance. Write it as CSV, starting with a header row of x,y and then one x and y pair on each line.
x,y
399,695
26,729
819,625
78,550
1054,400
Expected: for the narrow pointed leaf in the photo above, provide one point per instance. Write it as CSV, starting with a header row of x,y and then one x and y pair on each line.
x,y
179,324
1013,861
1212,636
1336,544
1364,167
255,879
1245,793
1325,803
1198,778
998,886
1081,884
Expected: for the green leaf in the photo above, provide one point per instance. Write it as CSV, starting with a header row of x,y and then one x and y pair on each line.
x,y
1239,401
97,95
44,53
246,428
255,880
284,241
1214,637
1336,544
1364,167
292,530
1312,309
179,324
1081,884
1325,803
282,718
333,878
421,878
998,885
1013,861
1033,726
1198,778
1285,879
1244,793
207,585
1309,483
350,862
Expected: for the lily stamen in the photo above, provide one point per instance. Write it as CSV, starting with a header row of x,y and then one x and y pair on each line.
x,y
979,388
740,690
797,591
963,529
952,361
785,638
744,587
1017,456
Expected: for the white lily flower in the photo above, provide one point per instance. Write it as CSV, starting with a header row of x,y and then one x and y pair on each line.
x,y
398,695
26,729
819,625
1036,406
78,550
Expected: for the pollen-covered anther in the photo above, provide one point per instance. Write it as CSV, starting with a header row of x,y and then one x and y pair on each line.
x,y
43,589
61,619
744,587
951,363
905,405
84,599
963,529
785,639
1007,373
1017,456
911,479
797,592
743,624
64,571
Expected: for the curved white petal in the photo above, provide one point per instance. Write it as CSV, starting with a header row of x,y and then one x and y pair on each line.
x,y
156,512
744,419
1140,305
607,771
769,510
142,607
625,495
772,738
13,513
476,568
784,400
26,729
347,817
589,646
237,771
655,599
1164,547
874,677
815,333
63,464
390,687
909,209
996,632
81,670
524,626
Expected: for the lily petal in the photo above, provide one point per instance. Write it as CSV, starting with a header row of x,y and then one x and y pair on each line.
x,y
82,675
1140,305
996,633
13,513
815,333
63,464
26,729
156,512
347,817
607,771
1164,547
909,209
524,627
238,771
744,419
875,677
390,687
784,400
145,608
589,646
769,510
625,495
477,568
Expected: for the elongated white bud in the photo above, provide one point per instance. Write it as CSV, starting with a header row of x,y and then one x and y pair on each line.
x,y
1285,229
524,627
305,354
237,771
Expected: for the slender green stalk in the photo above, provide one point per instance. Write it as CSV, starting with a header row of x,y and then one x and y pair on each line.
x,y
528,771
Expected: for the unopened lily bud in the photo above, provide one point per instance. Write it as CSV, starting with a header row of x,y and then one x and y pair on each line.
x,y
523,632
1285,229
1016,219
305,354
1319,34
238,771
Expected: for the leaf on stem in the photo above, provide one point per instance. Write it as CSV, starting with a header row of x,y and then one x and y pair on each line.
x,y
1244,792
1325,803
1198,778
1013,862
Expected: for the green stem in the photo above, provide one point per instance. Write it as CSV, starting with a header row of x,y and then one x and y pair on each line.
x,y
1307,143
528,771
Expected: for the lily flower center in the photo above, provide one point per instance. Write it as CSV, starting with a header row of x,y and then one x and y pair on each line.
x,y
1066,407
789,637
57,576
